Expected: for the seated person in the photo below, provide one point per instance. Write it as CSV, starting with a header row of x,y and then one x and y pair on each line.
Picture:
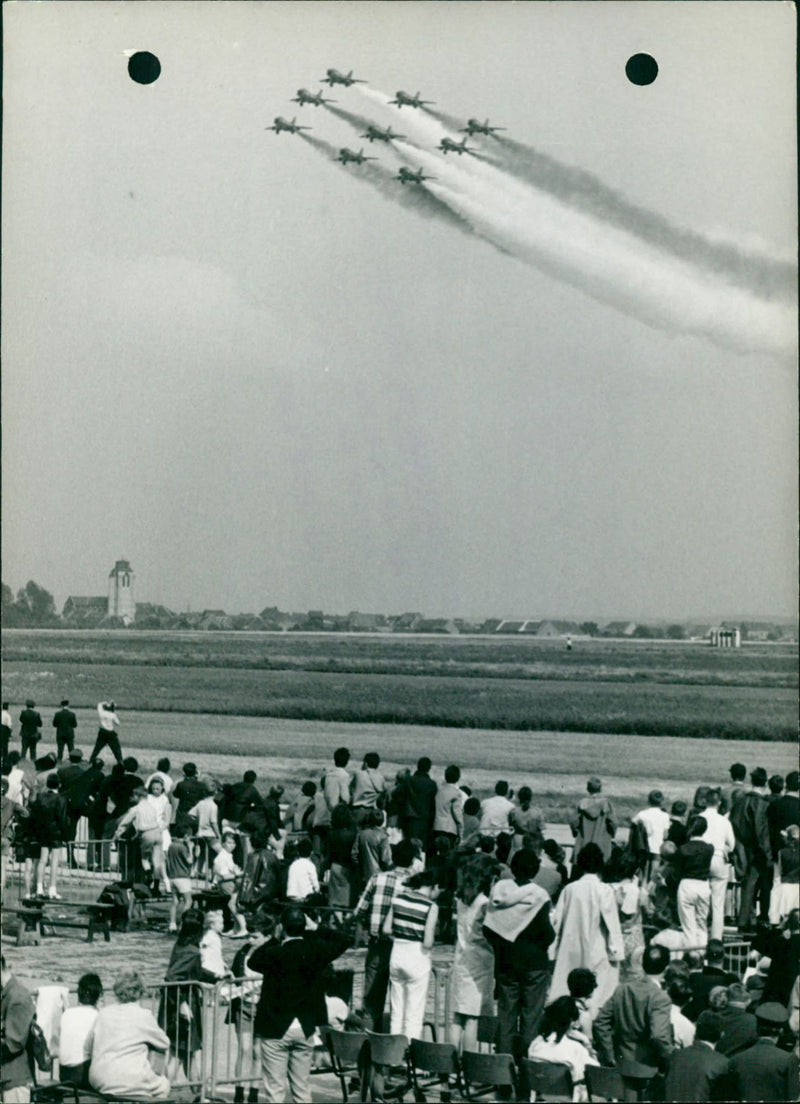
x,y
557,1042
77,1024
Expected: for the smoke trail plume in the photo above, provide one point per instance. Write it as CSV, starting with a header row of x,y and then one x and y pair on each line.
x,y
358,122
414,197
579,188
635,261
449,120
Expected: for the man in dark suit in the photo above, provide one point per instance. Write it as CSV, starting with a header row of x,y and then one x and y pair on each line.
x,y
782,812
421,803
763,1072
64,722
749,822
30,724
633,1029
292,1001
696,1072
703,981
738,1025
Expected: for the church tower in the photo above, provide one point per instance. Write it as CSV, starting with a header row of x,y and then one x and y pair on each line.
x,y
121,602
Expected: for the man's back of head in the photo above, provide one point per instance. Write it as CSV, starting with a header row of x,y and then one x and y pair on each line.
x,y
424,765
501,788
738,772
341,757
372,760
715,952
525,866
758,777
776,784
708,1028
793,782
738,997
452,774
190,770
655,960
403,854
293,921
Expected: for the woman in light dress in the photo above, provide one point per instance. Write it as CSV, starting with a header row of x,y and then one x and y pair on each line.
x,y
472,975
122,1038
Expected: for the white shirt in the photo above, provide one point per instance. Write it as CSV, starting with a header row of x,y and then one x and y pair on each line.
x,y
566,1050
719,833
211,954
656,825
6,719
301,880
162,807
494,815
76,1027
225,869
682,1027
107,719
16,780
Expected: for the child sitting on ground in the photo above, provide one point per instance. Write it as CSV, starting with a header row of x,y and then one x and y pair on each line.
x,y
77,1024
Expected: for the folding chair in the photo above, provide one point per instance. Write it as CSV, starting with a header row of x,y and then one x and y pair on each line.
x,y
346,1050
63,1092
547,1080
439,1061
604,1083
384,1055
488,1072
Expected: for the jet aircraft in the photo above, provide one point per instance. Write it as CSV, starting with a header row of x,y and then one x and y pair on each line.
x,y
282,124
404,99
347,155
375,134
305,97
333,76
475,126
406,176
447,145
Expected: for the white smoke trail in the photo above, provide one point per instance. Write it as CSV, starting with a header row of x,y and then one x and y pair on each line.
x,y
606,260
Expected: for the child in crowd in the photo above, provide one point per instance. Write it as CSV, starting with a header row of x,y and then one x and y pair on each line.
x,y
211,945
227,877
77,1024
302,878
179,871
206,814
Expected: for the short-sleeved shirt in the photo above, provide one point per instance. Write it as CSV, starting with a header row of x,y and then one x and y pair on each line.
x,y
409,914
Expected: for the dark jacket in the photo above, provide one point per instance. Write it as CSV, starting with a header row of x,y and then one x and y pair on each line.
x,y
529,949
738,1031
633,1029
29,723
701,983
763,1072
293,987
780,814
421,798
16,1014
695,1073
65,722
749,822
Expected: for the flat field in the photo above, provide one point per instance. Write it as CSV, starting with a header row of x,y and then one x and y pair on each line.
x,y
624,687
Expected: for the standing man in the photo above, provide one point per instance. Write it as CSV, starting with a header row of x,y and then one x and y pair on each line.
x,y
16,1012
594,821
421,803
375,903
368,789
5,732
633,1030
783,812
517,926
292,1001
30,724
696,1072
656,824
720,835
65,722
763,1071
448,817
750,825
107,734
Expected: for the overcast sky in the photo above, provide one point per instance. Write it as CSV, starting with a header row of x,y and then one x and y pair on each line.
x,y
263,381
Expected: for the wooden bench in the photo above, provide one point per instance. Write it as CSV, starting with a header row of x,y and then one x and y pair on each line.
x,y
39,913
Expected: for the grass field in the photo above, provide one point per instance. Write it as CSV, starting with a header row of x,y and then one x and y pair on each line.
x,y
644,688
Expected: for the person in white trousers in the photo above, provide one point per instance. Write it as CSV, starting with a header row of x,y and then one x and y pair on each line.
x,y
694,891
719,834
411,921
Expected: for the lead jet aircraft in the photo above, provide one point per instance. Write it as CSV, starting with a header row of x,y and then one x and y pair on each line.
x,y
447,145
305,97
475,126
404,99
282,124
347,155
406,176
375,134
333,76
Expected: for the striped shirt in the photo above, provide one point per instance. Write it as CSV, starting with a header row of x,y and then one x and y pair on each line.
x,y
410,913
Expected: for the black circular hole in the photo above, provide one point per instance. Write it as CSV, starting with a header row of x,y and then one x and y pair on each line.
x,y
641,69
144,67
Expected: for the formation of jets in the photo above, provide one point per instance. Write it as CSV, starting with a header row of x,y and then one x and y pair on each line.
x,y
305,97
347,155
447,145
282,124
377,134
405,99
333,76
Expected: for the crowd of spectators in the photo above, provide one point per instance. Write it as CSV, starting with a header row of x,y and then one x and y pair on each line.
x,y
615,958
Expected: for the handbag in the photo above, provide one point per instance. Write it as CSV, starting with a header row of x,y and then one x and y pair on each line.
x,y
37,1048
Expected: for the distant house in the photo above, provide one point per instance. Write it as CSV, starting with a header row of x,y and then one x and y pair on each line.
x,y
618,628
531,628
436,625
406,622
366,622
151,615
557,628
507,626
84,613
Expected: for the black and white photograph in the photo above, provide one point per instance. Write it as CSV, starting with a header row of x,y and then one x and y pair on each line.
x,y
400,551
